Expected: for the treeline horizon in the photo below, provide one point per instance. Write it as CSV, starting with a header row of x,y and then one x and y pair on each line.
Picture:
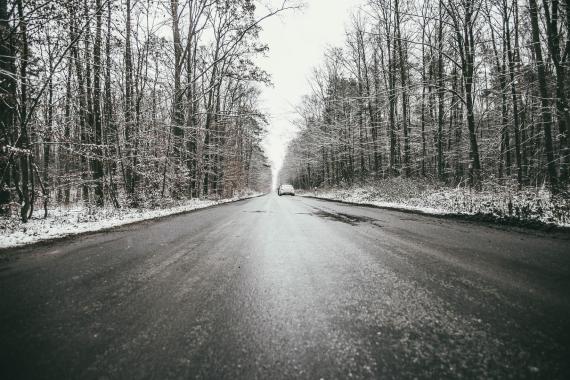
x,y
126,102
461,91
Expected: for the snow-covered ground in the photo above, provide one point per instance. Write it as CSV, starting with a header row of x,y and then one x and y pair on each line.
x,y
65,221
528,205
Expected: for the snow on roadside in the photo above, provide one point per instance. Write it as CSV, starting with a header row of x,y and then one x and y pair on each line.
x,y
66,221
521,206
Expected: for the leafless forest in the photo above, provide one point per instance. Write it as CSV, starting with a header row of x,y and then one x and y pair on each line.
x,y
128,102
464,92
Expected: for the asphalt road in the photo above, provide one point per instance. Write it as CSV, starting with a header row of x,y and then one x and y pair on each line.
x,y
289,287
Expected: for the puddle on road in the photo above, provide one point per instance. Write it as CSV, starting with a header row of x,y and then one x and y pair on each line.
x,y
353,220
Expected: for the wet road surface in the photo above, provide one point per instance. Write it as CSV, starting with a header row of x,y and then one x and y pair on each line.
x,y
289,287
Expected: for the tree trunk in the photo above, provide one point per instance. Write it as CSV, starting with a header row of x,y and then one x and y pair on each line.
x,y
177,106
514,95
544,96
23,141
130,172
98,151
402,61
7,98
562,107
468,67
440,97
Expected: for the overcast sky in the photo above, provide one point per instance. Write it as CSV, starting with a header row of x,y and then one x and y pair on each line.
x,y
297,41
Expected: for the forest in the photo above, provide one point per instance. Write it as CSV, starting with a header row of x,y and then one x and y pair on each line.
x,y
143,103
460,93
128,103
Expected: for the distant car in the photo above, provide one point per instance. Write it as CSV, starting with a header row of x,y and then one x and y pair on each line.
x,y
285,189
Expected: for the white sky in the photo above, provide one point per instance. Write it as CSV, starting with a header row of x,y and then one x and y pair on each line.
x,y
297,41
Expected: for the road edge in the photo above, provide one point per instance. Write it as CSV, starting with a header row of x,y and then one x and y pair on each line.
x,y
8,250
483,219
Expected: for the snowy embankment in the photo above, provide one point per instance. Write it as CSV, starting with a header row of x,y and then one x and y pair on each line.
x,y
73,220
522,207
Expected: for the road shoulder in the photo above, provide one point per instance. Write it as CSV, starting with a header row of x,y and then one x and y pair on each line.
x,y
489,220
